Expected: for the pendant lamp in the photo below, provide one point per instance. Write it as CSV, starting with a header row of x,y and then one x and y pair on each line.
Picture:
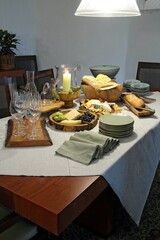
x,y
108,8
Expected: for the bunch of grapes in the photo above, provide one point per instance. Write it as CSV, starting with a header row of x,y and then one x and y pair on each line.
x,y
86,117
58,116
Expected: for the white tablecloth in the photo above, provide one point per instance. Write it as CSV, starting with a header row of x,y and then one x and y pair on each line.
x,y
129,169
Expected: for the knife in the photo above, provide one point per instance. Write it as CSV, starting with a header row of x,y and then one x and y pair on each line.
x,y
146,99
139,108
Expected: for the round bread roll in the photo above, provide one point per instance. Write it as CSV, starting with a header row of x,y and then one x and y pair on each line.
x,y
133,100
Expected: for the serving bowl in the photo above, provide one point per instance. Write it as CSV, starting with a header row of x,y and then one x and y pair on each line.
x,y
108,70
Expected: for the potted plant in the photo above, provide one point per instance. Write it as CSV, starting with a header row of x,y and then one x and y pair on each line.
x,y
8,45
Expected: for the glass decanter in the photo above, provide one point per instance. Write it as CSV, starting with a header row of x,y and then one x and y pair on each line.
x,y
30,85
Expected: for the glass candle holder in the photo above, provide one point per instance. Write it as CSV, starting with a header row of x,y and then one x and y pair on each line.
x,y
67,87
66,77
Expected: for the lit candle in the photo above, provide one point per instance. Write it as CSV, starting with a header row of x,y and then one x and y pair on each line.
x,y
66,81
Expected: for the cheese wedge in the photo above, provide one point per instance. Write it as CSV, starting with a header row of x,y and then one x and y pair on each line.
x,y
71,115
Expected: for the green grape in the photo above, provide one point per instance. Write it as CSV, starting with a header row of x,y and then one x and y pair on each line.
x,y
58,116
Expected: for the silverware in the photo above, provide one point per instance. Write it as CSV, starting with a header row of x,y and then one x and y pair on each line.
x,y
146,109
140,108
146,99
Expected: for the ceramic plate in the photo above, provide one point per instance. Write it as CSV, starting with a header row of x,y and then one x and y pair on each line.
x,y
140,86
116,135
127,83
116,119
116,130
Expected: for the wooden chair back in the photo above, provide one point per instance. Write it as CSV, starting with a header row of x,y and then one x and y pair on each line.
x,y
43,76
8,80
149,72
27,62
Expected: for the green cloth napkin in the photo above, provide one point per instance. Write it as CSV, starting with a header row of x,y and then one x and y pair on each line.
x,y
86,146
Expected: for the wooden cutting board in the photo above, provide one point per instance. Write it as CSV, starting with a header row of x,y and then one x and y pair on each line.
x,y
43,138
139,113
74,128
53,106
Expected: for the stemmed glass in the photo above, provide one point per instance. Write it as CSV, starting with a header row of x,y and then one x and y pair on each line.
x,y
17,110
33,113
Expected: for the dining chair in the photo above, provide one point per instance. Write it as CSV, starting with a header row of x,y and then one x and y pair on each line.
x,y
8,80
27,62
12,226
43,76
149,72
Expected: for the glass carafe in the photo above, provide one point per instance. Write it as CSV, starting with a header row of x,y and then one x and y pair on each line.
x,y
31,90
30,85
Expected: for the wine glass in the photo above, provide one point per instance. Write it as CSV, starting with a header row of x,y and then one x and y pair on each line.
x,y
33,113
17,108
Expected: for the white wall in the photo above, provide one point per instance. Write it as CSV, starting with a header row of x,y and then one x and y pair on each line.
x,y
50,30
64,38
18,17
143,42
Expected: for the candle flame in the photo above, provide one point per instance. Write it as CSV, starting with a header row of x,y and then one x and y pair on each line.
x,y
66,71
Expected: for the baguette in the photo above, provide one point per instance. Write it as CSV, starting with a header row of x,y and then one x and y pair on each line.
x,y
133,100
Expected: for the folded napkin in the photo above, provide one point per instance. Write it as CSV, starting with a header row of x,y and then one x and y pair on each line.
x,y
86,146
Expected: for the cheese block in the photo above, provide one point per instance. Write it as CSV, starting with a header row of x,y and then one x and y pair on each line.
x,y
71,115
71,122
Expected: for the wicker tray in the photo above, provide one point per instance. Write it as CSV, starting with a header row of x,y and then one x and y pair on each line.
x,y
22,141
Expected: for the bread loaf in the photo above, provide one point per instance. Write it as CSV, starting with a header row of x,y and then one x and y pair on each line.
x,y
102,87
133,100
96,83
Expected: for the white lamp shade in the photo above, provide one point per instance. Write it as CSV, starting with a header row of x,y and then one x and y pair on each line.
x,y
108,8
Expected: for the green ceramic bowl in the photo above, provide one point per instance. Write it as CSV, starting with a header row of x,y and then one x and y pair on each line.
x,y
108,70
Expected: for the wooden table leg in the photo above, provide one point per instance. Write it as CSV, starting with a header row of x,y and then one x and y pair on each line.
x,y
99,215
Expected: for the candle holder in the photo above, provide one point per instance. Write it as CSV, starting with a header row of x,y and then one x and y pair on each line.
x,y
68,89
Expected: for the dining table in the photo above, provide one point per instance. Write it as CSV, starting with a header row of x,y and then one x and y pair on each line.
x,y
52,190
